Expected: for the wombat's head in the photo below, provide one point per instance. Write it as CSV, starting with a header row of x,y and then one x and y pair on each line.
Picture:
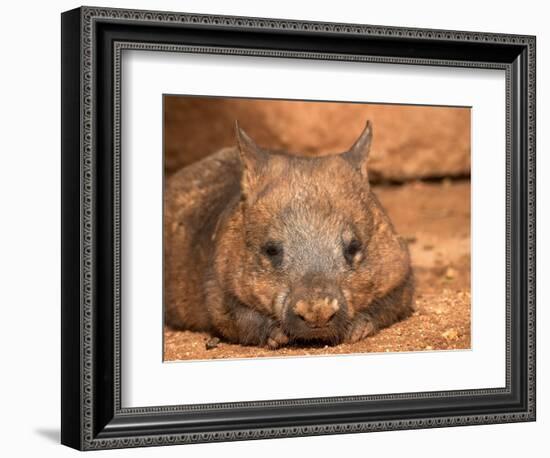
x,y
316,245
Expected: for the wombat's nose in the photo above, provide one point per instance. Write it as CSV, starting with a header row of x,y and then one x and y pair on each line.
x,y
317,312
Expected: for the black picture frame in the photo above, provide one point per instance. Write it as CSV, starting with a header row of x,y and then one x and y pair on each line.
x,y
92,40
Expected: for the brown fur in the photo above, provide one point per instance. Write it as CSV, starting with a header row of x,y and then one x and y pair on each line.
x,y
266,248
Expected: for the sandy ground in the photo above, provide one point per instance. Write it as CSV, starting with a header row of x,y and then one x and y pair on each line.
x,y
435,220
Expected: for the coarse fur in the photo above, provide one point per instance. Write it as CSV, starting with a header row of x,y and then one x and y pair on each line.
x,y
267,248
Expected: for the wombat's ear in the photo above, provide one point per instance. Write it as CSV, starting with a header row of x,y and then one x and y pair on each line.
x,y
253,159
358,154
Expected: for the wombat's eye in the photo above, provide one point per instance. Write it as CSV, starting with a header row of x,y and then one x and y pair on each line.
x,y
351,250
273,250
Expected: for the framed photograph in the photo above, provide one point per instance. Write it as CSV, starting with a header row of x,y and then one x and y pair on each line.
x,y
276,228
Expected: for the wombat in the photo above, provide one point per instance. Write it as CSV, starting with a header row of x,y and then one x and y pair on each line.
x,y
267,248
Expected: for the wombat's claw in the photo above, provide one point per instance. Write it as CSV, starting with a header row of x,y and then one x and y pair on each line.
x,y
360,330
277,338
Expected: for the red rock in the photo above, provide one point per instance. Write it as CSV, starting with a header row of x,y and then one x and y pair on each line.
x,y
410,142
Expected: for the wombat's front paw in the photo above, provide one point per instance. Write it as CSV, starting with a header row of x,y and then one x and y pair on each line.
x,y
360,329
277,338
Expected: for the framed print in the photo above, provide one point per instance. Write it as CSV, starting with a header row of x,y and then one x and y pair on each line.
x,y
277,228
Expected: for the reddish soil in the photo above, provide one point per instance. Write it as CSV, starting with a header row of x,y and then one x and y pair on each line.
x,y
435,219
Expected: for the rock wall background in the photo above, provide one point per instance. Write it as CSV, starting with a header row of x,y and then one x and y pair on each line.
x,y
410,142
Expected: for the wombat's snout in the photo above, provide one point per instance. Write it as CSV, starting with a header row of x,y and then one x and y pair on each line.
x,y
316,312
